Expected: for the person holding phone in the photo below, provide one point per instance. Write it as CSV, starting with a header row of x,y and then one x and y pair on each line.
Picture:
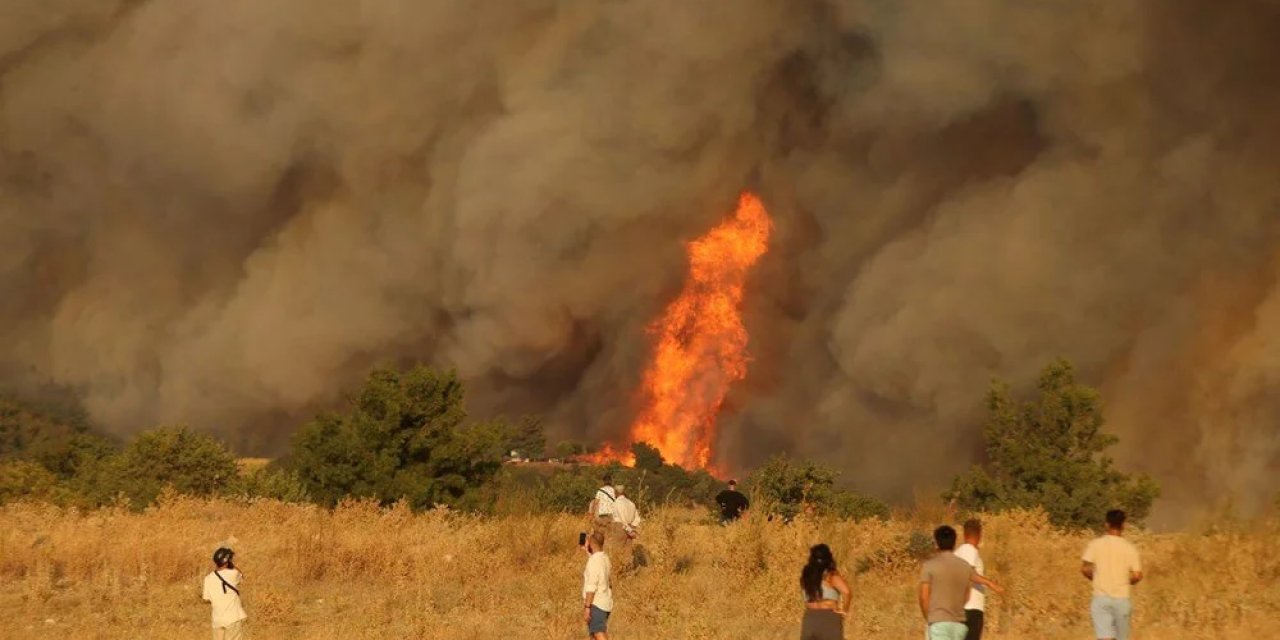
x,y
222,592
597,588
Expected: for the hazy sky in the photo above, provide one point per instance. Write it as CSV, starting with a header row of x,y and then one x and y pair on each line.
x,y
225,213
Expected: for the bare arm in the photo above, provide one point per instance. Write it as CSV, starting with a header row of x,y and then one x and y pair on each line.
x,y
924,599
986,582
846,594
1086,569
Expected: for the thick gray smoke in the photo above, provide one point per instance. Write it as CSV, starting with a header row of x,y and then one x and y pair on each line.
x,y
225,213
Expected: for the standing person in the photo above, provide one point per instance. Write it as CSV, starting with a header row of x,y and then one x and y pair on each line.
x,y
602,503
974,608
732,503
625,513
826,596
222,592
597,589
1113,565
944,588
623,530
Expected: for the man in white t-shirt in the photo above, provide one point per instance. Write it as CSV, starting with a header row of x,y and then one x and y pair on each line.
x,y
602,503
222,592
1112,564
975,606
597,589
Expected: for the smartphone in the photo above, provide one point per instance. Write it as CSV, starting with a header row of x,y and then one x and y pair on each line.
x,y
582,539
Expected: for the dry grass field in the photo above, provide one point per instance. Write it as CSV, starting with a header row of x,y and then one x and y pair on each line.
x,y
359,572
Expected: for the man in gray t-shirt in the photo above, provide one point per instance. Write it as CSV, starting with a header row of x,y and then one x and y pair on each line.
x,y
944,588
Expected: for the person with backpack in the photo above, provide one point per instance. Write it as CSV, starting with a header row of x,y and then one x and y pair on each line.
x,y
222,592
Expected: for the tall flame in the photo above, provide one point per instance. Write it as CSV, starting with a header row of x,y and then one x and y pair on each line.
x,y
700,342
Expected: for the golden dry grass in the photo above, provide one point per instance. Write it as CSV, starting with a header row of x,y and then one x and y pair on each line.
x,y
362,572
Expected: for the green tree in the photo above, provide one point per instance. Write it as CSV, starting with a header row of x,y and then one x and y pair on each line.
x,y
1050,452
528,438
570,448
54,434
787,487
648,458
190,462
403,436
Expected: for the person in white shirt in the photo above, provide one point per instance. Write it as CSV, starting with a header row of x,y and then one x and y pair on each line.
x,y
602,503
625,513
597,589
975,606
222,592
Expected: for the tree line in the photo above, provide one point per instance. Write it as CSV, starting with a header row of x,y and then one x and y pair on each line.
x,y
405,435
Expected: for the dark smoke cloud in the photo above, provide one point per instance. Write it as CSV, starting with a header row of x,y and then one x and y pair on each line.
x,y
225,213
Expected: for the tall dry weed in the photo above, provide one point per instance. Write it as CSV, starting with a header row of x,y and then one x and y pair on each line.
x,y
360,571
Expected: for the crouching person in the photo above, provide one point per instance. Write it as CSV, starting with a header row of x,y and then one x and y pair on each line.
x,y
222,592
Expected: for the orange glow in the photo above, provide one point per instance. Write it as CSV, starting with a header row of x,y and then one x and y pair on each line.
x,y
700,343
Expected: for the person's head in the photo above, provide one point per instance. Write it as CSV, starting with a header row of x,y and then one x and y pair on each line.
x,y
607,479
1115,520
821,562
945,537
733,485
973,531
223,557
619,489
595,542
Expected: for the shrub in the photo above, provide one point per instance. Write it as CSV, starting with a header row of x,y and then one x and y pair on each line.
x,y
274,484
23,479
190,462
785,487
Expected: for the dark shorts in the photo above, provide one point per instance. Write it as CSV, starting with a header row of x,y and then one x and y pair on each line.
x,y
599,622
973,619
821,624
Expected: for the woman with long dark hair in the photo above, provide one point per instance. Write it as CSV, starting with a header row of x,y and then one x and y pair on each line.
x,y
826,595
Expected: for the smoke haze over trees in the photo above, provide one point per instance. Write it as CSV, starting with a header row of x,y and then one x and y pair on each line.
x,y
225,214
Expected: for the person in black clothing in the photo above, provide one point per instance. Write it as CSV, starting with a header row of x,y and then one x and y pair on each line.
x,y
732,503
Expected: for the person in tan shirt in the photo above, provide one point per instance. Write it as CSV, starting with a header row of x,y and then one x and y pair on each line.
x,y
1112,564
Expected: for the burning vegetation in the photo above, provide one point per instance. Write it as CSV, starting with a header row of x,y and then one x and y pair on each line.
x,y
700,342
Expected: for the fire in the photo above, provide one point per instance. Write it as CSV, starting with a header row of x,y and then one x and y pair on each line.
x,y
700,343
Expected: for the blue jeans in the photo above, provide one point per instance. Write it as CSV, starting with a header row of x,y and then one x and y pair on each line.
x,y
1110,617
948,631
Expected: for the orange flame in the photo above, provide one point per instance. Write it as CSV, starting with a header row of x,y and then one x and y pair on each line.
x,y
701,343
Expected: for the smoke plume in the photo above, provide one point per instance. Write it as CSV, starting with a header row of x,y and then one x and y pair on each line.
x,y
225,213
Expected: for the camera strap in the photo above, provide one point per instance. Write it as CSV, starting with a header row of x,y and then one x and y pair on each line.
x,y
226,585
